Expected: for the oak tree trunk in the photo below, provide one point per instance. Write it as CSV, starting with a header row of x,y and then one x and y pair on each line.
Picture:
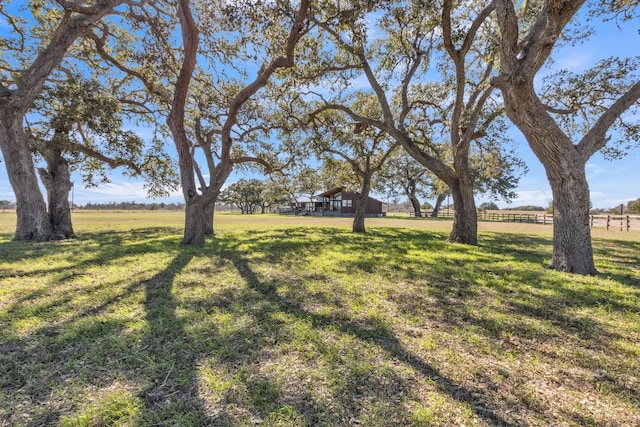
x,y
465,217
358,218
209,212
565,168
32,219
410,190
57,182
195,221
439,202
361,207
416,206
572,250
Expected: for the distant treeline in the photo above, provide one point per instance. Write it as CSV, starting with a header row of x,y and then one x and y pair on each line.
x,y
134,206
526,208
131,206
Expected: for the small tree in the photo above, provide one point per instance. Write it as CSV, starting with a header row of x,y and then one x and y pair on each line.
x,y
245,194
5,204
274,194
633,206
403,172
488,206
364,149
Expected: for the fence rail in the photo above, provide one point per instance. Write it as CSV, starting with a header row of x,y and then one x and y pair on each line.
x,y
529,218
427,214
613,222
610,222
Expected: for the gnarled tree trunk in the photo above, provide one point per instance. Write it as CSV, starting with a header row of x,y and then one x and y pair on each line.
x,y
438,205
465,217
57,181
416,206
564,161
410,189
361,207
195,221
33,221
414,201
565,168
572,250
358,217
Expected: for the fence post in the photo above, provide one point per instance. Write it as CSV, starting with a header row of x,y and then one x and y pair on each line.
x,y
591,221
608,220
628,222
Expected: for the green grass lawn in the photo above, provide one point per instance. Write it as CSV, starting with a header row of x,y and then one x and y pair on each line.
x,y
297,321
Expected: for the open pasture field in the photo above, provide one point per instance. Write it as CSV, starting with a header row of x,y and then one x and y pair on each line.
x,y
295,321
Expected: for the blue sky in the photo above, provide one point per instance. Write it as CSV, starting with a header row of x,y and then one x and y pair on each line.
x,y
610,182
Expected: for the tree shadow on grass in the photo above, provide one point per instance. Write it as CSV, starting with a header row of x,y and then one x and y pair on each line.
x,y
160,362
539,305
96,350
372,332
617,254
104,249
171,395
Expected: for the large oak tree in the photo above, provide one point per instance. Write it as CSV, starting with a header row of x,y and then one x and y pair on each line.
x,y
37,52
524,49
431,84
78,125
205,81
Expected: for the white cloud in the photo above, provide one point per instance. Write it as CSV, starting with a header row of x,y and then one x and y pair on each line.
x,y
124,189
606,200
593,170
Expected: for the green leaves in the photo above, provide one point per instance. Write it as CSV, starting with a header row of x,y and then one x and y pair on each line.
x,y
578,100
81,120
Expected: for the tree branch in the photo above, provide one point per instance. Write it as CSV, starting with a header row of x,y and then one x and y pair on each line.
x,y
69,29
176,117
111,162
557,110
595,139
247,159
265,73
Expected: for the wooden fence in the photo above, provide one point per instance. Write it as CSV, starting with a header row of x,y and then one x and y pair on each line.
x,y
616,222
530,218
610,222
